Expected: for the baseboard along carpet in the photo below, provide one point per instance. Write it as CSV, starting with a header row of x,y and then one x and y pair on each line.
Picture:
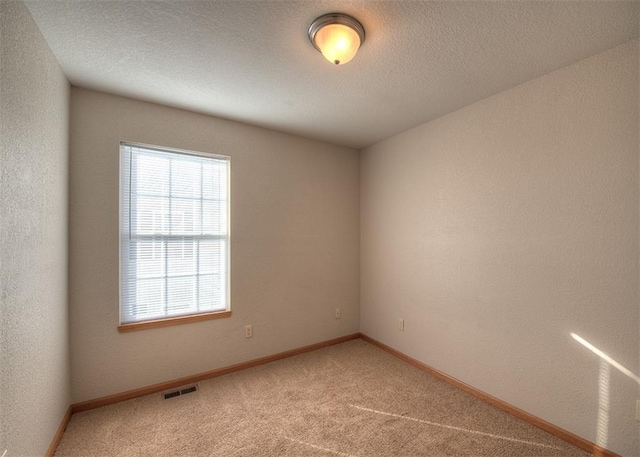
x,y
352,400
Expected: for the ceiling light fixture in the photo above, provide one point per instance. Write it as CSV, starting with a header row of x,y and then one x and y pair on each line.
x,y
337,36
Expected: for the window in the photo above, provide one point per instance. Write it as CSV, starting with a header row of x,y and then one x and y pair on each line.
x,y
174,235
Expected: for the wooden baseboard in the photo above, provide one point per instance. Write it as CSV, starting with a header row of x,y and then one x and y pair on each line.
x,y
58,436
569,437
110,399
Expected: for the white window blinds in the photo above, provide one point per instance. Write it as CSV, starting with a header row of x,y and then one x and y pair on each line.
x,y
174,233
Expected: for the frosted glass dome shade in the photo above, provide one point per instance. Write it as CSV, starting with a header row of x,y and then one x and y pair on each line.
x,y
338,43
337,36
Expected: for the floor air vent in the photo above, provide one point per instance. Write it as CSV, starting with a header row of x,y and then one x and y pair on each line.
x,y
181,391
188,390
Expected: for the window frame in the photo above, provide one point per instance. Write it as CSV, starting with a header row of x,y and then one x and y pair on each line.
x,y
182,318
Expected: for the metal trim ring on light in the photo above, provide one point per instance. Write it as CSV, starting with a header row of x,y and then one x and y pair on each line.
x,y
335,18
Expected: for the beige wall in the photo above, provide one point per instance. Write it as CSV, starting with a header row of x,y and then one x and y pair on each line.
x,y
34,361
294,245
499,229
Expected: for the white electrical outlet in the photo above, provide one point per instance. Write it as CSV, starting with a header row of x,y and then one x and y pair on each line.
x,y
248,331
638,410
401,324
337,313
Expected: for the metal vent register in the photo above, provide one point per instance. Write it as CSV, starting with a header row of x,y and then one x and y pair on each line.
x,y
181,391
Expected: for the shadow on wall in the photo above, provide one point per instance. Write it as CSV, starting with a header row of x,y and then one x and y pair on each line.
x,y
606,362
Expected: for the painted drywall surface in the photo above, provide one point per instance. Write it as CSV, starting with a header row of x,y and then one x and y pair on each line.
x,y
294,245
499,229
34,363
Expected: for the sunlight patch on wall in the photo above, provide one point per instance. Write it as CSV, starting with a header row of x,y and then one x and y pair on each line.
x,y
602,431
604,380
605,357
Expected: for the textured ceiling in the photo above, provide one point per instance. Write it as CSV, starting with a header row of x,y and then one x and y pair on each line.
x,y
251,60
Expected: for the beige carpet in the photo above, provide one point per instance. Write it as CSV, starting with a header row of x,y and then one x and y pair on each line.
x,y
351,399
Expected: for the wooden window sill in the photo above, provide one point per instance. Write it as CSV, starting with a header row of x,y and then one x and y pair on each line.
x,y
172,321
